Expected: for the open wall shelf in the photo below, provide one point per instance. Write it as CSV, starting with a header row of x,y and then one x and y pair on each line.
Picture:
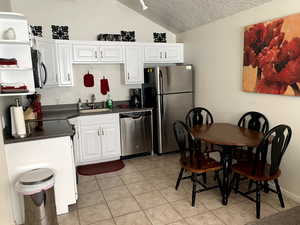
x,y
18,49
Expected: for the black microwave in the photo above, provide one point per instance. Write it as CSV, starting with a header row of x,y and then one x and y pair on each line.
x,y
39,69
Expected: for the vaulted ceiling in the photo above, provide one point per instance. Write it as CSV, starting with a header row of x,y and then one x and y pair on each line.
x,y
182,15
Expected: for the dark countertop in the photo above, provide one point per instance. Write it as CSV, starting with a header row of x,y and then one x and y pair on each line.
x,y
68,114
51,129
56,122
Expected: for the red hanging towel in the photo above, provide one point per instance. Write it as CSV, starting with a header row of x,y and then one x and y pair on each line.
x,y
88,80
104,86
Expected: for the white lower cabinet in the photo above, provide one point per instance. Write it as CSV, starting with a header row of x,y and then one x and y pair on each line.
x,y
97,138
54,153
90,143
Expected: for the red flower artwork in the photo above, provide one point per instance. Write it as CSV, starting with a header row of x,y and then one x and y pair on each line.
x,y
276,59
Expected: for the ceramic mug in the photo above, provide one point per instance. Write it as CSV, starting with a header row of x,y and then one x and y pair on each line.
x,y
9,34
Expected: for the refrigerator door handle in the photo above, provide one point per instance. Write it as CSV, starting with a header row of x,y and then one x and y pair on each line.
x,y
161,83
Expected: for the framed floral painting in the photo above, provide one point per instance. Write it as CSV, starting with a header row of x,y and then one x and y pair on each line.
x,y
272,57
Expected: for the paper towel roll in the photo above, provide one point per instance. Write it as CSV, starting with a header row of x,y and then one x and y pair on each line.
x,y
19,121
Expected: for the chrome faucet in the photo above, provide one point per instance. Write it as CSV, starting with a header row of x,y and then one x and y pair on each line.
x,y
92,104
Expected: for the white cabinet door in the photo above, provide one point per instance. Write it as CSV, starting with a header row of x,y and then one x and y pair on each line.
x,y
134,65
65,69
153,54
173,54
49,59
85,53
90,143
110,140
99,137
164,53
111,54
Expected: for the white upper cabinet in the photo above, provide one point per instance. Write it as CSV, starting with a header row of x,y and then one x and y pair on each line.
x,y
153,54
111,54
65,69
48,58
98,54
173,53
134,66
85,53
56,56
164,53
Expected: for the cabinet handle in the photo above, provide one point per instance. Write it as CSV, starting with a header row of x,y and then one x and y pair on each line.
x,y
102,131
101,54
166,55
98,132
69,77
96,54
160,54
128,76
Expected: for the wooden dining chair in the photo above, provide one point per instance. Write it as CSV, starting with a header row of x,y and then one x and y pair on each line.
x,y
200,116
254,121
193,160
272,146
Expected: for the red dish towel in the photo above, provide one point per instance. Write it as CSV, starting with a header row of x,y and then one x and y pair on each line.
x,y
104,86
88,80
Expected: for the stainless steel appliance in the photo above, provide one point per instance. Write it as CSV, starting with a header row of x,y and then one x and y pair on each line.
x,y
135,97
169,90
136,133
39,69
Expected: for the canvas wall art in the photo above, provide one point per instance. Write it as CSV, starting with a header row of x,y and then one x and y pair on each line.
x,y
272,57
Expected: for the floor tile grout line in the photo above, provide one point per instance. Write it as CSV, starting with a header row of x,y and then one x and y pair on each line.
x,y
107,206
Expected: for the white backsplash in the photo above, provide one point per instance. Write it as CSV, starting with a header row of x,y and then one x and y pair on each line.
x,y
67,95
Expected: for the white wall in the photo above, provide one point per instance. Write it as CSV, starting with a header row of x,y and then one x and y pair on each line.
x,y
5,6
86,19
66,95
216,50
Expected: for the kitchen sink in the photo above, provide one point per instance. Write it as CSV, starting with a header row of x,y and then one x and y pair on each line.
x,y
95,110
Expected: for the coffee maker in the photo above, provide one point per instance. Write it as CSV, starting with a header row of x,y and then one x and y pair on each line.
x,y
135,98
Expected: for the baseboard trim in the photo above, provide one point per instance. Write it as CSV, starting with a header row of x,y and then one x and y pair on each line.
x,y
288,194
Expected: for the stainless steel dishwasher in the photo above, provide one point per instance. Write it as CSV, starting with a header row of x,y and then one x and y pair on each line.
x,y
136,133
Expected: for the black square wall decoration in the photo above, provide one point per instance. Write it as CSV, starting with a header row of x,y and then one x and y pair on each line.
x,y
128,35
36,30
160,37
60,32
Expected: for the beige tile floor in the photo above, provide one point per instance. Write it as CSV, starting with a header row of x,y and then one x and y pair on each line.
x,y
143,193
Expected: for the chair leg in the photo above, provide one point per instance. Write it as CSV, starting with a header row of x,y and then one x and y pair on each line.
x,y
179,178
279,193
237,183
250,185
258,199
194,177
204,178
266,187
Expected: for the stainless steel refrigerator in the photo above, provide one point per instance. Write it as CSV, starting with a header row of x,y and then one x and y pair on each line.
x,y
169,90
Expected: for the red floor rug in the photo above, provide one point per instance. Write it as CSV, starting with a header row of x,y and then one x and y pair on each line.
x,y
98,168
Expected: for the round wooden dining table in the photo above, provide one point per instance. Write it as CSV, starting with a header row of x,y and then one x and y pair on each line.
x,y
229,137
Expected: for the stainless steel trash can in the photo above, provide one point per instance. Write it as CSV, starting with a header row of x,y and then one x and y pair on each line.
x,y
37,187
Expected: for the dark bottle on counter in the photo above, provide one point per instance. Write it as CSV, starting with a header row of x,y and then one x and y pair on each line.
x,y
37,108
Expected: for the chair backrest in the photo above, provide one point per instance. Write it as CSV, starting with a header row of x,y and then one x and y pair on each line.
x,y
275,143
184,138
198,116
254,121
